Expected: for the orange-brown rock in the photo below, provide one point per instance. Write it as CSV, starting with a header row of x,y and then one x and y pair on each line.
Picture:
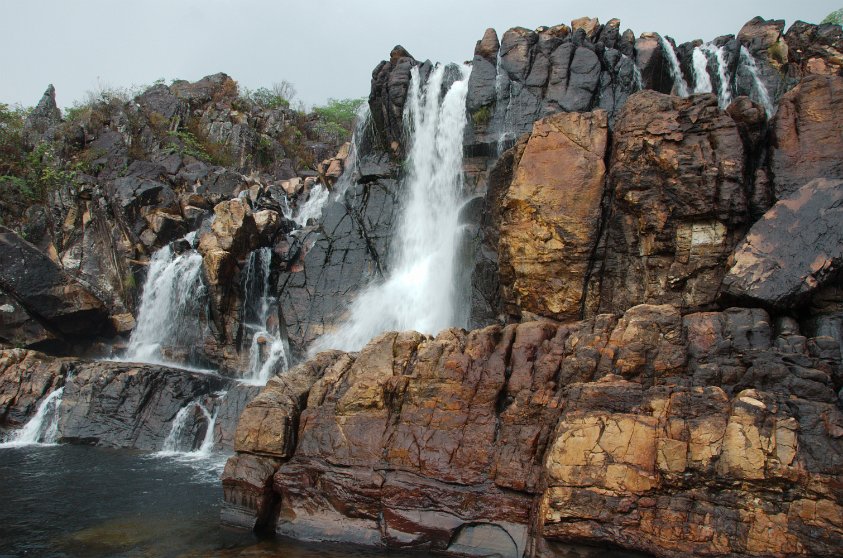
x,y
550,216
703,435
808,134
678,205
26,378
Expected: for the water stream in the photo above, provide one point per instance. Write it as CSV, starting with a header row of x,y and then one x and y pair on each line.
x,y
679,84
172,308
42,428
419,291
759,92
702,81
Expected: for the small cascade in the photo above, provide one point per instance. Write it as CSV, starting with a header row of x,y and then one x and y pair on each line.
x,y
724,90
320,194
181,440
173,305
759,89
312,208
42,429
638,79
260,330
675,71
702,81
419,292
504,119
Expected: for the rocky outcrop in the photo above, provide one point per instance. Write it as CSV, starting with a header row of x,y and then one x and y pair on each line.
x,y
549,221
630,431
678,205
41,121
121,405
48,294
26,378
775,267
807,134
327,264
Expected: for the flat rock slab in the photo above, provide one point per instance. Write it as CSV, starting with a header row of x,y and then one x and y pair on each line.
x,y
796,248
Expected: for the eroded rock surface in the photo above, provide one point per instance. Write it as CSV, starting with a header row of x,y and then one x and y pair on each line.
x,y
628,431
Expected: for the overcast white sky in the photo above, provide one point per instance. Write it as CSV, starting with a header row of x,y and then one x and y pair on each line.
x,y
326,48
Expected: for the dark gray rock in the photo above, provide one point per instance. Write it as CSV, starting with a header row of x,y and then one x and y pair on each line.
x,y
45,116
794,250
126,405
583,81
46,291
348,250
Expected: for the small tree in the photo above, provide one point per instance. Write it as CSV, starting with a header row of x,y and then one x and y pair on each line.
x,y
835,17
337,117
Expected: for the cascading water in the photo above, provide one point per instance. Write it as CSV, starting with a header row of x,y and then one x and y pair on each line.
x,y
42,429
702,81
181,440
419,291
260,331
675,71
759,89
172,305
724,91
320,195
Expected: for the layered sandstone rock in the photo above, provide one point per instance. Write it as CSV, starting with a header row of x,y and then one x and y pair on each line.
x,y
678,204
657,433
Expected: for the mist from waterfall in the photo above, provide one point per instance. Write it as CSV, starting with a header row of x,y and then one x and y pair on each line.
x,y
419,292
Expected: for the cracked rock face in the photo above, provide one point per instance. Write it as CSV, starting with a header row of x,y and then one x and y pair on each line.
x,y
625,431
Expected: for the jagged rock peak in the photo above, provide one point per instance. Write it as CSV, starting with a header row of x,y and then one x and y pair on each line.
x,y
488,46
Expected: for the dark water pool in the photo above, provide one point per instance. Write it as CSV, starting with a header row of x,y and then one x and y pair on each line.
x,y
84,502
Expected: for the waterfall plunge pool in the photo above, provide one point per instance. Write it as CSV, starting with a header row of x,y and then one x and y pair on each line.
x,y
86,502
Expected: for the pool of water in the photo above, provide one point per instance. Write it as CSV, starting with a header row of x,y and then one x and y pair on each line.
x,y
86,502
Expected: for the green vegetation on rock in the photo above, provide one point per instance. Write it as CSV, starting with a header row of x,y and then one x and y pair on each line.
x,y
336,119
835,17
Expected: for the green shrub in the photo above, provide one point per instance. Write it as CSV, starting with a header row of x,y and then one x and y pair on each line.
x,y
834,17
336,119
280,95
482,115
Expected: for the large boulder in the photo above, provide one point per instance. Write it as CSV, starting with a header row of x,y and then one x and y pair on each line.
x,y
41,121
46,291
549,220
775,267
808,134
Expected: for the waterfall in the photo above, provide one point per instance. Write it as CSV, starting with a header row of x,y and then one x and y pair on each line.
x,y
180,441
419,291
761,95
172,305
503,133
320,194
702,82
638,79
259,327
41,428
675,71
724,91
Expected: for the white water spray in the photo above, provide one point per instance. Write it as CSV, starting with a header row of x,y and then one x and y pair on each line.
x,y
419,291
724,91
42,429
675,71
761,95
702,81
172,303
176,444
